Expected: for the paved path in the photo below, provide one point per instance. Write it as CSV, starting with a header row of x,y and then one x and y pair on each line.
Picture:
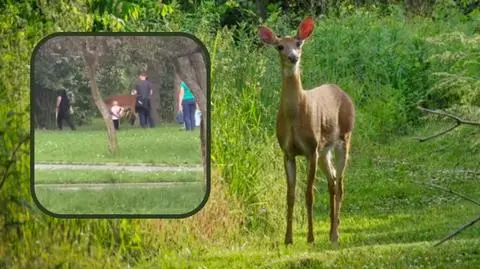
x,y
100,186
120,167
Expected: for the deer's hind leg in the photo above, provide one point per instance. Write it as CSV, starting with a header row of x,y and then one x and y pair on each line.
x,y
328,169
342,153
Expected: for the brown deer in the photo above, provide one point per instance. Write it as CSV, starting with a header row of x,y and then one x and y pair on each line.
x,y
311,123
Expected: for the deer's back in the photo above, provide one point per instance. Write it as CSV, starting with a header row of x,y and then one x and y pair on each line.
x,y
333,109
126,101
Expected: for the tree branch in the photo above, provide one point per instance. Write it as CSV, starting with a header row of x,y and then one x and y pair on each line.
x,y
458,120
450,236
185,54
459,230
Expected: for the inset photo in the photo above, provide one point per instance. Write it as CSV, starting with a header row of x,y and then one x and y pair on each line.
x,y
120,125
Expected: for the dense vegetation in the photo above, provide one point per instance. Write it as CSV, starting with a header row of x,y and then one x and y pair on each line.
x,y
386,55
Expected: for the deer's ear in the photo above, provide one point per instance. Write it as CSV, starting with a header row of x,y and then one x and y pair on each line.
x,y
305,29
267,35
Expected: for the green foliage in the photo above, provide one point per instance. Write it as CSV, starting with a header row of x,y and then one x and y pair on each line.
x,y
56,73
456,61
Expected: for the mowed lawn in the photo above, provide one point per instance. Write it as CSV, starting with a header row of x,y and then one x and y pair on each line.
x,y
389,218
87,176
164,144
171,199
65,191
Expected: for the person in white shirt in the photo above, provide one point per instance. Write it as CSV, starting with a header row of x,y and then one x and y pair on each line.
x,y
116,112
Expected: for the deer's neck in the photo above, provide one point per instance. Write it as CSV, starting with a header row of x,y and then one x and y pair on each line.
x,y
292,91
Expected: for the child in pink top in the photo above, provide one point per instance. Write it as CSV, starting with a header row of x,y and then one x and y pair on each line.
x,y
116,112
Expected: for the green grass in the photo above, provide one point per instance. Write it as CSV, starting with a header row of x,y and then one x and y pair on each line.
x,y
388,219
165,144
73,176
177,199
458,254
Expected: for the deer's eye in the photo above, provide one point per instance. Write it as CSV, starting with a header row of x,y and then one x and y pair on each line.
x,y
280,47
299,43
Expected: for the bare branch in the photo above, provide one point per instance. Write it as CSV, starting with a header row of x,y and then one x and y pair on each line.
x,y
459,230
460,195
458,120
423,139
450,191
450,116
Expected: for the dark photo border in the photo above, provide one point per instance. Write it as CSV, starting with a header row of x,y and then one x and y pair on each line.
x,y
207,164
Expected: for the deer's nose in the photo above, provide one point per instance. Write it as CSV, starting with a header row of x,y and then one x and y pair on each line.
x,y
293,58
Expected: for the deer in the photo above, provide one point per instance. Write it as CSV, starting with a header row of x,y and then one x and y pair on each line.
x,y
315,124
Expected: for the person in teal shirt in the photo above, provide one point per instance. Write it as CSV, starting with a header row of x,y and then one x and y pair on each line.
x,y
187,105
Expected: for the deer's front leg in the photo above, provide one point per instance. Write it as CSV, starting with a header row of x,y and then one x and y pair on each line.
x,y
290,168
312,169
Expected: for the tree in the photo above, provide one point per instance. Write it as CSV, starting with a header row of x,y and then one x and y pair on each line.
x,y
90,49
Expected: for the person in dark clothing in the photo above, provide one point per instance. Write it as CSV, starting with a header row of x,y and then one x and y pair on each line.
x,y
144,91
63,110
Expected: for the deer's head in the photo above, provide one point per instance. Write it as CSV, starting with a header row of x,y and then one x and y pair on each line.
x,y
289,47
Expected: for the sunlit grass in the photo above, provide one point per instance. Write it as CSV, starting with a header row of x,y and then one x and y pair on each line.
x,y
171,199
74,176
164,144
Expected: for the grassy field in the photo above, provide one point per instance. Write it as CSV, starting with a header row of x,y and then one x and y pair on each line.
x,y
389,219
458,254
69,177
164,144
175,199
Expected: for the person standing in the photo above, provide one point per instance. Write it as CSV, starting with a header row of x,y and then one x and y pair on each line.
x,y
144,91
63,110
116,112
186,104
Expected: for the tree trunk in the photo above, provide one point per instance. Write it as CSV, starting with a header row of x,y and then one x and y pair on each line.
x,y
185,69
285,5
154,78
261,10
97,98
161,74
419,7
91,59
199,65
